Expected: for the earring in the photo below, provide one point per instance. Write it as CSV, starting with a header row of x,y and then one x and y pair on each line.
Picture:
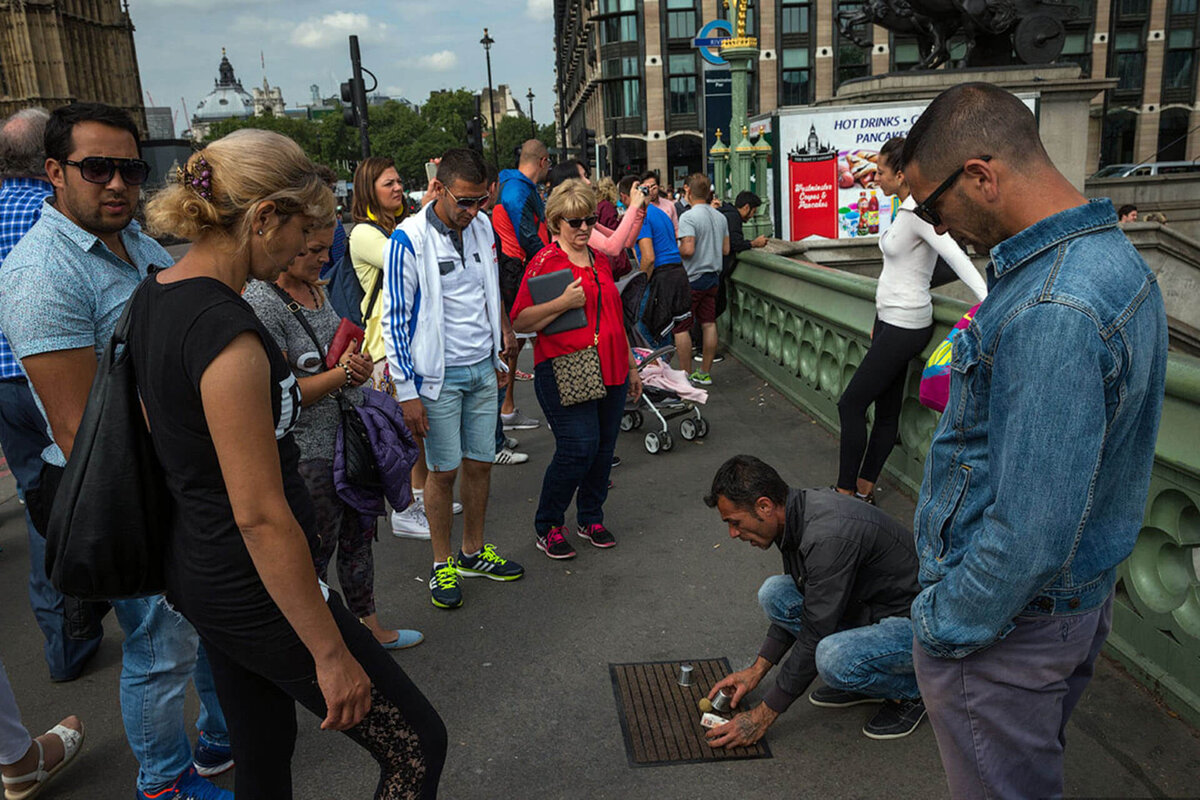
x,y
260,232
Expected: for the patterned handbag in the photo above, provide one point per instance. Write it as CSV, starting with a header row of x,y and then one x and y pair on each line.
x,y
578,374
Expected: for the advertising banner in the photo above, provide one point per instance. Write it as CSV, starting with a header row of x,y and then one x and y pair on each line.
x,y
844,141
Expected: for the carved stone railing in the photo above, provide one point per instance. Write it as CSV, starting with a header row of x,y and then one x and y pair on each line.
x,y
805,328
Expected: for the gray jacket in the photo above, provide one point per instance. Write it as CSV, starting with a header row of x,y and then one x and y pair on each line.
x,y
853,564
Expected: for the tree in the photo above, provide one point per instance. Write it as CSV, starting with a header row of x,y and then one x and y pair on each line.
x,y
511,133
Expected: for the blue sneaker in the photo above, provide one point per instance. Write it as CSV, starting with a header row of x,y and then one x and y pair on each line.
x,y
443,586
210,758
188,786
487,563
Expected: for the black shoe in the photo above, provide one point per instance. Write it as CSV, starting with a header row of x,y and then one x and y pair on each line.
x,y
828,697
897,719
616,462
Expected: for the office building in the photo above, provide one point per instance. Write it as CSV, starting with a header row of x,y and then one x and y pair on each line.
x,y
627,69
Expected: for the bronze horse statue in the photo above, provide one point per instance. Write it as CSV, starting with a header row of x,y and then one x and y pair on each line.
x,y
991,29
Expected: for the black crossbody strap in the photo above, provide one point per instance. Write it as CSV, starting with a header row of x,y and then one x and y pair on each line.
x,y
295,308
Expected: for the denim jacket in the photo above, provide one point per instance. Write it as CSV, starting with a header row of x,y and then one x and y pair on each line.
x,y
1036,481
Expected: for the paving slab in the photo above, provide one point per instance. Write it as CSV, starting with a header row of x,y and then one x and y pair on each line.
x,y
520,673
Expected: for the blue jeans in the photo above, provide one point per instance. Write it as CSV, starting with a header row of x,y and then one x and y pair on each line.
x,y
161,654
585,436
23,437
875,660
461,420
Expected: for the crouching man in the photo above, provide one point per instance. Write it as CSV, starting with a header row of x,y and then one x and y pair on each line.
x,y
841,606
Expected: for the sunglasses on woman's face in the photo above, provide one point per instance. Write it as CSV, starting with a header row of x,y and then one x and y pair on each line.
x,y
98,169
576,222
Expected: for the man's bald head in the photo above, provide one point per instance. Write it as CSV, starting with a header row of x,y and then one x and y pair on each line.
x,y
534,160
22,146
973,120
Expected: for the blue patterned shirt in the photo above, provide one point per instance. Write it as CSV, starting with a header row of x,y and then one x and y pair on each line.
x,y
61,288
20,206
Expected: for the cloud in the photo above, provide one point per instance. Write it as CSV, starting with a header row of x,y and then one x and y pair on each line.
x,y
441,61
332,29
541,10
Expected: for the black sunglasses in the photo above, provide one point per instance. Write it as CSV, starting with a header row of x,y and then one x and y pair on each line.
x,y
98,169
576,222
467,203
926,211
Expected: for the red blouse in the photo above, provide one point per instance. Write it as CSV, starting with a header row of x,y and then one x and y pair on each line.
x,y
613,346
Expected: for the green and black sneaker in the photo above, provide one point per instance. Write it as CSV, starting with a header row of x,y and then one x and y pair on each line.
x,y
443,586
488,564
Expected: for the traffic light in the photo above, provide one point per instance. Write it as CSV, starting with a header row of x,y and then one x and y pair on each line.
x,y
589,147
349,103
475,134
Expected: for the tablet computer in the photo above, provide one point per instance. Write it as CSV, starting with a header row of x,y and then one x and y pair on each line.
x,y
546,287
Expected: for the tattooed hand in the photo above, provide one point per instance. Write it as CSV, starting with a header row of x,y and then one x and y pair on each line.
x,y
744,729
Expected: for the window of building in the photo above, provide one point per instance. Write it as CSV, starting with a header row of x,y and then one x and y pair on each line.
x,y
618,29
1129,60
622,88
906,53
681,19
1116,141
794,18
852,60
617,6
682,83
1077,49
1133,8
1183,7
1172,135
795,77
1179,64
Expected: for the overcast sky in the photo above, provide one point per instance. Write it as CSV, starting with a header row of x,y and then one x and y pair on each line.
x,y
413,47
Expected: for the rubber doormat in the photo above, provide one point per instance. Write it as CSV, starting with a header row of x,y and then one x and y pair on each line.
x,y
660,719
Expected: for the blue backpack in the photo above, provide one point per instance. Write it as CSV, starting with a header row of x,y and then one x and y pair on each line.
x,y
346,292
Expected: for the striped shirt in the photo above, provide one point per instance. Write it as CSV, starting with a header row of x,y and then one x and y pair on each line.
x,y
20,206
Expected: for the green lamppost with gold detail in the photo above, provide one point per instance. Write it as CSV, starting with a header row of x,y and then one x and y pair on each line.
x,y
741,51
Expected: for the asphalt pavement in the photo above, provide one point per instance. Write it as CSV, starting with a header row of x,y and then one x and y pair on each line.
x,y
520,672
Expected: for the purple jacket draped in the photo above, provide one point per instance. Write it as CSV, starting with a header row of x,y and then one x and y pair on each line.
x,y
395,451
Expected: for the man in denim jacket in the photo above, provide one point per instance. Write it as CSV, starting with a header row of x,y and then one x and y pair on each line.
x,y
1037,477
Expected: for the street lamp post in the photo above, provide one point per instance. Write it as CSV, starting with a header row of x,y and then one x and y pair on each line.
x,y
487,42
532,124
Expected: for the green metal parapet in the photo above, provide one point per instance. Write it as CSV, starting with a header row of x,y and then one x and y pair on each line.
x,y
805,328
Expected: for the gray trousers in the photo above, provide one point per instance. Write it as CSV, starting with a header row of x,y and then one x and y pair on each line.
x,y
14,739
1000,714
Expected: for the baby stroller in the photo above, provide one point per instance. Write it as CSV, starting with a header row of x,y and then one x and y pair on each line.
x,y
663,404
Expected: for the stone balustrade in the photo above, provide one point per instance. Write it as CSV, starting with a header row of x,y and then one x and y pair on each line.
x,y
805,328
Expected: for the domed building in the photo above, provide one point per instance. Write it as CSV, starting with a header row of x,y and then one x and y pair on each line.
x,y
227,100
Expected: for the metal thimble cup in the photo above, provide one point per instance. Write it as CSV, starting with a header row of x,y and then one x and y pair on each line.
x,y
722,702
685,675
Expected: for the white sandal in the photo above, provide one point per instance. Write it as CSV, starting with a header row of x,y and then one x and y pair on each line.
x,y
72,742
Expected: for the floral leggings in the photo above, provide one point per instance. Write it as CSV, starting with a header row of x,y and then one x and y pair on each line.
x,y
340,528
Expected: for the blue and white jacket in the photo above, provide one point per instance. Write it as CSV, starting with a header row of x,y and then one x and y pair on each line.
x,y
413,322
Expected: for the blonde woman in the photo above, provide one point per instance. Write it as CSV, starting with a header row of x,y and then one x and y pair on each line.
x,y
586,433
221,402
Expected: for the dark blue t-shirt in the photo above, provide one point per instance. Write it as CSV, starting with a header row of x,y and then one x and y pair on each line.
x,y
658,228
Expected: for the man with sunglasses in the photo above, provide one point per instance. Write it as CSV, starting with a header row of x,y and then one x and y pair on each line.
x,y
1036,480
22,429
62,289
445,335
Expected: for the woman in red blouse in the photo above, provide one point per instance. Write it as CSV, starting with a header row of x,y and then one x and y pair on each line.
x,y
586,433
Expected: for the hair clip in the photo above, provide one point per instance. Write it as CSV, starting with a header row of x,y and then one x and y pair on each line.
x,y
197,175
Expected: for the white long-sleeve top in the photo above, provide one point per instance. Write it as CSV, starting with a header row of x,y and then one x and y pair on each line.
x,y
910,250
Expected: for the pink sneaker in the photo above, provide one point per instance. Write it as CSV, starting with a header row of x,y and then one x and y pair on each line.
x,y
555,545
598,535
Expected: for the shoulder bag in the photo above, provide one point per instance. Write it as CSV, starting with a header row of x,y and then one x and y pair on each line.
x,y
577,375
361,467
106,535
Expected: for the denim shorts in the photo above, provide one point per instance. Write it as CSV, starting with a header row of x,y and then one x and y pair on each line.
x,y
462,421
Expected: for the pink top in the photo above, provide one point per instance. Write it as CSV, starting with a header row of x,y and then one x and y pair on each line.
x,y
611,242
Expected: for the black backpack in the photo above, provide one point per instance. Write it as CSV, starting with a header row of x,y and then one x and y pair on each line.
x,y
345,290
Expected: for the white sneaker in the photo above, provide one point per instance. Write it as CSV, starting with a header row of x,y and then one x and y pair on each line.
x,y
511,442
509,456
517,421
419,497
411,522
